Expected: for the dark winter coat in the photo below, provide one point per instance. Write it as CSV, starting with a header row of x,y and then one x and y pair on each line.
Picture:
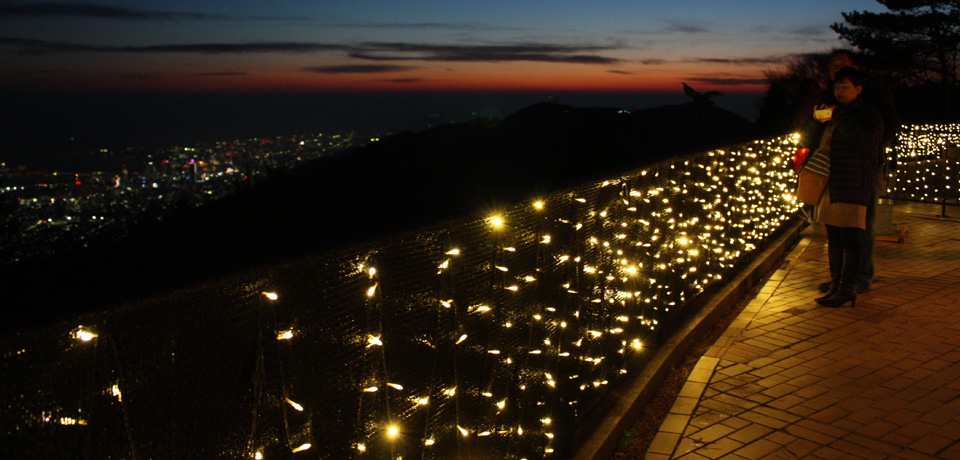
x,y
857,133
874,94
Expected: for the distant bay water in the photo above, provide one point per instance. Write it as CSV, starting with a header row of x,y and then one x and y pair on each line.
x,y
52,131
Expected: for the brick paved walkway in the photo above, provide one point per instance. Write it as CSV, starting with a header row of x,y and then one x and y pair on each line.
x,y
791,379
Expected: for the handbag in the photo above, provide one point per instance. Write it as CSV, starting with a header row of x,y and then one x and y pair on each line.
x,y
813,177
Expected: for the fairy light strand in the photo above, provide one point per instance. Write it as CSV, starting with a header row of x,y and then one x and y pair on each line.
x,y
552,295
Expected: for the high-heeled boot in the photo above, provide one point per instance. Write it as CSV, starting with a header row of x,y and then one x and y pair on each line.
x,y
846,292
831,290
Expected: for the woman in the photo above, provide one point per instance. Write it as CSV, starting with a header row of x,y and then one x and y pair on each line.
x,y
852,139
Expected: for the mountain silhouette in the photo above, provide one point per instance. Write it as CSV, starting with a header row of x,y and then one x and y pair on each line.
x,y
396,184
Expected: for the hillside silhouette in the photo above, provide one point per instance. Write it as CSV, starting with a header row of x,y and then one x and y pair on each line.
x,y
389,186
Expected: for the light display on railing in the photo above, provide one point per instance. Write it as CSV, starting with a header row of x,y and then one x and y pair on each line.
x,y
923,169
635,248
493,337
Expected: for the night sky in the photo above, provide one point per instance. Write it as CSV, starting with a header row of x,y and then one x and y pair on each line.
x,y
180,45
54,56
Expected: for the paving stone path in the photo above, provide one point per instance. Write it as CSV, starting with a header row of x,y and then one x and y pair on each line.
x,y
791,379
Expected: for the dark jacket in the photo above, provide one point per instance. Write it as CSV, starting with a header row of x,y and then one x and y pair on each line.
x,y
857,133
874,94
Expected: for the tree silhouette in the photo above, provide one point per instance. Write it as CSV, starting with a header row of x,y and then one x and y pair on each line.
x,y
917,41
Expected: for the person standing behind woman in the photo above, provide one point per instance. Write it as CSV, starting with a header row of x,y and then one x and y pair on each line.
x,y
851,140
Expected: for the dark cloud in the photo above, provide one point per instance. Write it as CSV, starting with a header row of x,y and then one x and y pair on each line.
x,y
653,61
482,53
233,48
687,27
730,81
810,31
404,80
620,72
367,51
25,46
474,27
742,61
219,74
39,47
358,68
88,10
140,76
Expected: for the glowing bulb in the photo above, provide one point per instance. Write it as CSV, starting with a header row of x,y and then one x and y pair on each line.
x,y
302,448
84,335
362,447
395,386
258,456
270,295
285,335
393,431
424,401
496,221
461,339
374,340
429,442
294,405
372,290
538,204
372,272
453,252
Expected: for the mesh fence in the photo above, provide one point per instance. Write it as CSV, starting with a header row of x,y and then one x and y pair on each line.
x,y
475,338
926,160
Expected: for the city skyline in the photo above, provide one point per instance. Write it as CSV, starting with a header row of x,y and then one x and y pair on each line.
x,y
363,46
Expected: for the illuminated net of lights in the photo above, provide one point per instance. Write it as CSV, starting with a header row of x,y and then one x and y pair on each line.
x,y
487,337
923,171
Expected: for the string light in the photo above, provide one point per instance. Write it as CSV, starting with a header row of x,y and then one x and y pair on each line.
x,y
294,405
550,324
84,335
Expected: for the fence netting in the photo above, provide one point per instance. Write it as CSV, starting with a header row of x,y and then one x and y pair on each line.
x,y
486,337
